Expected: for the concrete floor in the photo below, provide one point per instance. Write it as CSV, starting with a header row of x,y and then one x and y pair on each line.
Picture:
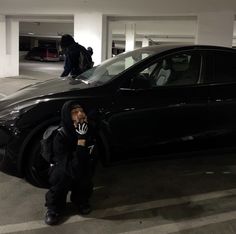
x,y
195,194
40,70
190,195
30,73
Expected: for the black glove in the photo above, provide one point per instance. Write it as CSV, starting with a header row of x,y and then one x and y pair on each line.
x,y
81,130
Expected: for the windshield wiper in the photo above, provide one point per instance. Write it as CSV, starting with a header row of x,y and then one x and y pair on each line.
x,y
85,82
78,81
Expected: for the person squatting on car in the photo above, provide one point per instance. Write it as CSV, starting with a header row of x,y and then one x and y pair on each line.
x,y
72,168
77,58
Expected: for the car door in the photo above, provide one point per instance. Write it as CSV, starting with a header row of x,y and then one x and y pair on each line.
x,y
162,108
221,77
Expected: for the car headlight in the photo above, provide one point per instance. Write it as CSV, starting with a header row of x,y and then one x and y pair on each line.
x,y
11,114
8,118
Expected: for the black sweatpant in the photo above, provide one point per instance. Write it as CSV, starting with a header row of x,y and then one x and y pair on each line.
x,y
61,183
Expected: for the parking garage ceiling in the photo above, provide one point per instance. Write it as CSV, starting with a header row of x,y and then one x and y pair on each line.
x,y
126,7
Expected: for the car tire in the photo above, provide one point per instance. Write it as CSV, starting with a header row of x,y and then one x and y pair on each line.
x,y
37,169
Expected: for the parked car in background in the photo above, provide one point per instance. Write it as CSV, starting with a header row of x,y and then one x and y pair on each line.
x,y
154,101
43,54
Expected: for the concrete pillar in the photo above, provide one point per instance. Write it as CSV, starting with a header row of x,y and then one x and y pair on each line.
x,y
130,36
36,42
31,42
12,47
9,47
109,41
2,34
145,42
2,44
90,29
215,28
234,42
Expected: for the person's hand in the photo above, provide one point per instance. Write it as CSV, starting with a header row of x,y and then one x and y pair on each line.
x,y
81,130
81,142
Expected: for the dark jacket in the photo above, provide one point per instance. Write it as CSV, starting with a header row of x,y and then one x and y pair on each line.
x,y
72,159
72,62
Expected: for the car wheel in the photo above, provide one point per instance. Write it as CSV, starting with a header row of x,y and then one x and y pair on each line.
x,y
37,169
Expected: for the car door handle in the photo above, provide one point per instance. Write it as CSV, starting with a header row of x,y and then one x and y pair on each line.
x,y
178,104
181,104
218,100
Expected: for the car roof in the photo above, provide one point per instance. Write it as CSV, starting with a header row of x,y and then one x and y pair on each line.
x,y
166,47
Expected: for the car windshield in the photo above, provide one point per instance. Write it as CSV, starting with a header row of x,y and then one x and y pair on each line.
x,y
110,68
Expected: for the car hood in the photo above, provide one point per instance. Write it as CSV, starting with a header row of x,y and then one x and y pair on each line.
x,y
42,90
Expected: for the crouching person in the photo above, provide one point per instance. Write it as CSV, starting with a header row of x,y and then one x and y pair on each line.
x,y
72,164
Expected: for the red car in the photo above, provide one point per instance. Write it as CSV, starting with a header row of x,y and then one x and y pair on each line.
x,y
43,54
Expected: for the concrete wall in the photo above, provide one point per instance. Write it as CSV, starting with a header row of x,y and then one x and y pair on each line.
x,y
115,7
205,10
161,29
215,28
46,28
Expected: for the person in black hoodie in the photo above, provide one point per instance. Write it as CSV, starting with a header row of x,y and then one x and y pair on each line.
x,y
73,57
72,164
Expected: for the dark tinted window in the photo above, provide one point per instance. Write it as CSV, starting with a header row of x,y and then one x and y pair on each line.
x,y
35,49
184,68
42,50
224,67
38,49
52,50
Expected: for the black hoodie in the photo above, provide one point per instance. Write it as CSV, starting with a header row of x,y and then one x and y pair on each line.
x,y
72,60
67,123
67,153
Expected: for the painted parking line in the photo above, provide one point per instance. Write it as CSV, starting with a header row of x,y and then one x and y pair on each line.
x,y
187,225
103,213
33,225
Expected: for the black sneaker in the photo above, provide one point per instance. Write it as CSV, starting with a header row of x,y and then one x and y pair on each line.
x,y
84,209
51,217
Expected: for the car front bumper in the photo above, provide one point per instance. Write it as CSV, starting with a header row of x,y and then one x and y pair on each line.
x,y
8,162
4,137
2,154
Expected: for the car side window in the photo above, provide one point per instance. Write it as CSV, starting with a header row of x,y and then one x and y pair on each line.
x,y
224,67
175,70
